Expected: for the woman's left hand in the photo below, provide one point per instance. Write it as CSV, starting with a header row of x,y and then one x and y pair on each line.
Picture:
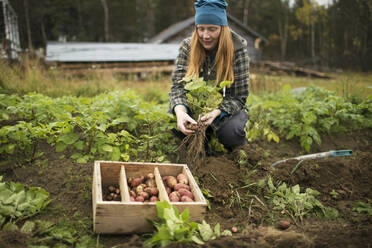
x,y
208,118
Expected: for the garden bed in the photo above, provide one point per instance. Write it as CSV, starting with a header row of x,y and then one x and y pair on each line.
x,y
69,184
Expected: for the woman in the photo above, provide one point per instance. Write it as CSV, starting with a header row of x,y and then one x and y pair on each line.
x,y
214,53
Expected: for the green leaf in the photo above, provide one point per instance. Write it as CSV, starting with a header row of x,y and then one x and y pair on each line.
x,y
226,233
107,148
225,83
185,215
60,146
87,242
160,206
28,227
217,229
10,227
197,240
69,138
206,231
79,145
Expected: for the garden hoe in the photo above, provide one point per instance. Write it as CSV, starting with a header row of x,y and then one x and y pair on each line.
x,y
338,153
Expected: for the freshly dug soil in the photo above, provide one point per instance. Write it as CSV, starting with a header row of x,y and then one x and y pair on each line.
x,y
237,201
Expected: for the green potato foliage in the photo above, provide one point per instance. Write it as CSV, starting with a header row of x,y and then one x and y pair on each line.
x,y
202,96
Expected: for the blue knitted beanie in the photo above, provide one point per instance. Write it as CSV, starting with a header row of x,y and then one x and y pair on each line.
x,y
210,12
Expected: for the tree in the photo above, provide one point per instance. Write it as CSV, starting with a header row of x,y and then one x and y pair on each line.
x,y
28,26
106,20
246,11
283,23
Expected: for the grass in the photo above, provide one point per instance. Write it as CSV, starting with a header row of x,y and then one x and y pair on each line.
x,y
345,84
32,76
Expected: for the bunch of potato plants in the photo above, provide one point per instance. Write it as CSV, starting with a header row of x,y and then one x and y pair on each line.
x,y
202,98
178,188
143,188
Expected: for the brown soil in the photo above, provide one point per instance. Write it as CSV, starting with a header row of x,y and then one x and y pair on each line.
x,y
229,178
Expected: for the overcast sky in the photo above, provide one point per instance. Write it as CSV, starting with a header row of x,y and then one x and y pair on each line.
x,y
320,2
323,2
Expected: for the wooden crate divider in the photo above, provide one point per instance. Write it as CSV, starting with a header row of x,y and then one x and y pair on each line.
x,y
124,191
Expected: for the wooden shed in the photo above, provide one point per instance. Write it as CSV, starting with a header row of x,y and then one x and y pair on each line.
x,y
119,57
178,31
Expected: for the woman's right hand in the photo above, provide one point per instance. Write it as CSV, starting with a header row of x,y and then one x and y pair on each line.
x,y
182,119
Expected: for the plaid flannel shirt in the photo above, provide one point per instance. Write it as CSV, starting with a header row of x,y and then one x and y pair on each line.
x,y
235,95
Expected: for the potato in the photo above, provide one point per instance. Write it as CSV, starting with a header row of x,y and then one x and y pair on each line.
x,y
185,198
132,193
132,199
284,224
234,229
191,126
139,189
140,199
152,191
181,178
111,188
150,176
151,183
168,190
165,178
129,180
174,196
145,195
117,191
171,181
185,192
154,198
181,186
135,182
109,197
115,197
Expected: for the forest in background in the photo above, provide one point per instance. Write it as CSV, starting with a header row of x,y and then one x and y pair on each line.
x,y
338,35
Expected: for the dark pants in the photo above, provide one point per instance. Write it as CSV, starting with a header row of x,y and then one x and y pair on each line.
x,y
232,133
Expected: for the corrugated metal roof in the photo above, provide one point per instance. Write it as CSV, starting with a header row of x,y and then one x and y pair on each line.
x,y
109,52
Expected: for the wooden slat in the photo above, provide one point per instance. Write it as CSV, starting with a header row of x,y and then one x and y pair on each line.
x,y
110,173
159,184
194,186
135,169
98,187
124,191
124,217
96,190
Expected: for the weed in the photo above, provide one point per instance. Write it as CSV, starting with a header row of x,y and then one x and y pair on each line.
x,y
364,208
296,204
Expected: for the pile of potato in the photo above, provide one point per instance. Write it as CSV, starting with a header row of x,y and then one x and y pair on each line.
x,y
178,188
113,193
143,189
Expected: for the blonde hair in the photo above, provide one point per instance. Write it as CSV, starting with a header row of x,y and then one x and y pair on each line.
x,y
224,56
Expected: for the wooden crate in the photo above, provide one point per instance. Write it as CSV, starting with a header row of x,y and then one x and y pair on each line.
x,y
131,217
